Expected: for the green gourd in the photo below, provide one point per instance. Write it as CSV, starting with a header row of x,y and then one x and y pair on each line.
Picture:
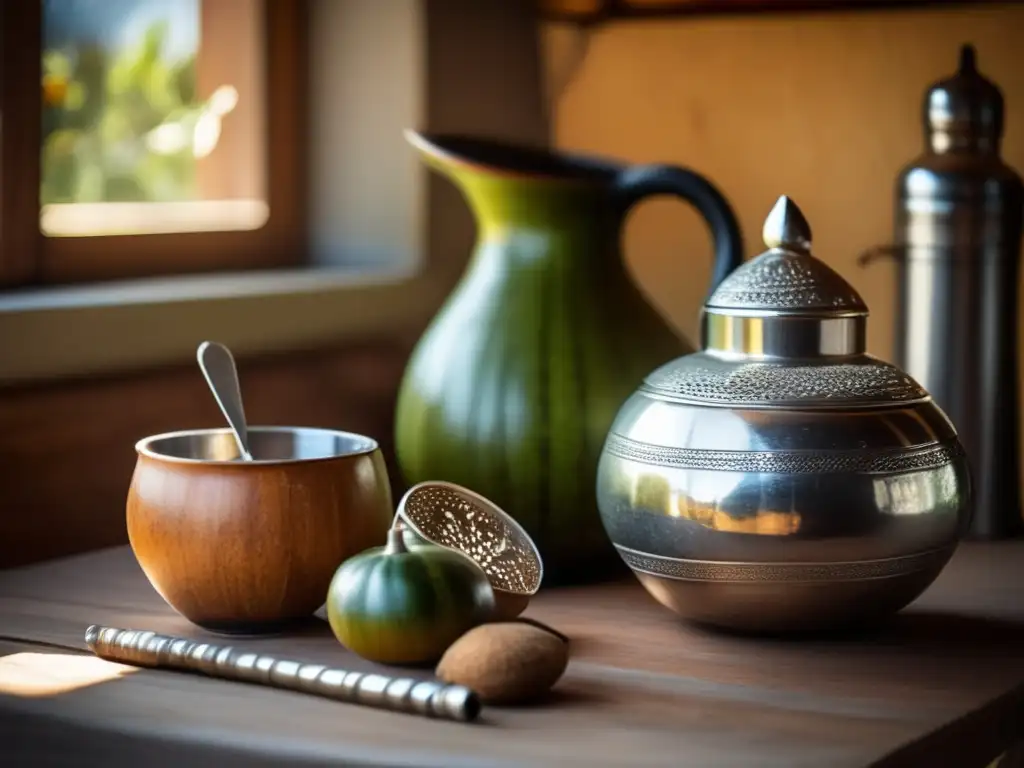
x,y
515,383
400,605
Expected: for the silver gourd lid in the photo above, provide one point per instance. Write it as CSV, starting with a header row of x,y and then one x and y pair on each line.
x,y
785,303
785,330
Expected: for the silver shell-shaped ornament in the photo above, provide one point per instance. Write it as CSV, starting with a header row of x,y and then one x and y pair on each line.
x,y
782,479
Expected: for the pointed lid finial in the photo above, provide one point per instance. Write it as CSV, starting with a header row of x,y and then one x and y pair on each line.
x,y
787,278
786,227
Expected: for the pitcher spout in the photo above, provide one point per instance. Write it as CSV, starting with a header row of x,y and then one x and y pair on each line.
x,y
451,154
505,183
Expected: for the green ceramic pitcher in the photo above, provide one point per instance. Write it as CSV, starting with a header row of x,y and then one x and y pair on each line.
x,y
513,386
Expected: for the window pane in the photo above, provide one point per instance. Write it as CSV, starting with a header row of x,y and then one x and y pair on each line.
x,y
153,116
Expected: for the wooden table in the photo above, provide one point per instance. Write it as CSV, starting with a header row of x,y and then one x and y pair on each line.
x,y
943,684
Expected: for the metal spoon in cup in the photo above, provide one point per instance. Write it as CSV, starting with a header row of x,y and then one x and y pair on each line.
x,y
218,367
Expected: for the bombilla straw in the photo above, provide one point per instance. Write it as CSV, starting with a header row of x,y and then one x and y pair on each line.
x,y
428,698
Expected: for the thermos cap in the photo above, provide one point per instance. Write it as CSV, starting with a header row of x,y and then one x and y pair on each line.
x,y
965,104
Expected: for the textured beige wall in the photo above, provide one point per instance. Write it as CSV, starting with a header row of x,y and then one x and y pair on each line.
x,y
824,108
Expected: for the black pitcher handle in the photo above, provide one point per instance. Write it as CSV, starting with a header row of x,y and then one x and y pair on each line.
x,y
640,181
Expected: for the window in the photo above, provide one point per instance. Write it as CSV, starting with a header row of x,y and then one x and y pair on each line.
x,y
150,137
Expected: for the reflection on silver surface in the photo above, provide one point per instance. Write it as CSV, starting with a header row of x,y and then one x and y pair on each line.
x,y
780,337
675,511
906,495
268,444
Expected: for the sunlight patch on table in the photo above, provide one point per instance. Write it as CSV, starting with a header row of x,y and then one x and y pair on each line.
x,y
51,674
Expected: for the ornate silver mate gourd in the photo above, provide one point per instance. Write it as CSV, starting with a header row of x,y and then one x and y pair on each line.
x,y
782,479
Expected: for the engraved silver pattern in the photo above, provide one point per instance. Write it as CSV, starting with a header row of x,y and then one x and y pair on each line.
x,y
785,462
700,378
708,570
786,280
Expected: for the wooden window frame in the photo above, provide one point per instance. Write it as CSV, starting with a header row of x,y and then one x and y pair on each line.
x,y
27,258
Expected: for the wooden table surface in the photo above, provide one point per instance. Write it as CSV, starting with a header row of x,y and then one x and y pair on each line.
x,y
942,684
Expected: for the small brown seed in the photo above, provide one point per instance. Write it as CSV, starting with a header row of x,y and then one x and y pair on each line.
x,y
505,663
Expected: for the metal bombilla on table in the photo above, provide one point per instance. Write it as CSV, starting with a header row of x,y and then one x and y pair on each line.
x,y
957,245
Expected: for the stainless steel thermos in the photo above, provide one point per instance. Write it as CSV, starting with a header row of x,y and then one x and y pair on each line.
x,y
958,245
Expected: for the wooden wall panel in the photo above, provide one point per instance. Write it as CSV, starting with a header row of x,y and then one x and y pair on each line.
x,y
67,449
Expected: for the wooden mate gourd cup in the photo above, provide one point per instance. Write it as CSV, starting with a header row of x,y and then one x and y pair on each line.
x,y
241,530
247,546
